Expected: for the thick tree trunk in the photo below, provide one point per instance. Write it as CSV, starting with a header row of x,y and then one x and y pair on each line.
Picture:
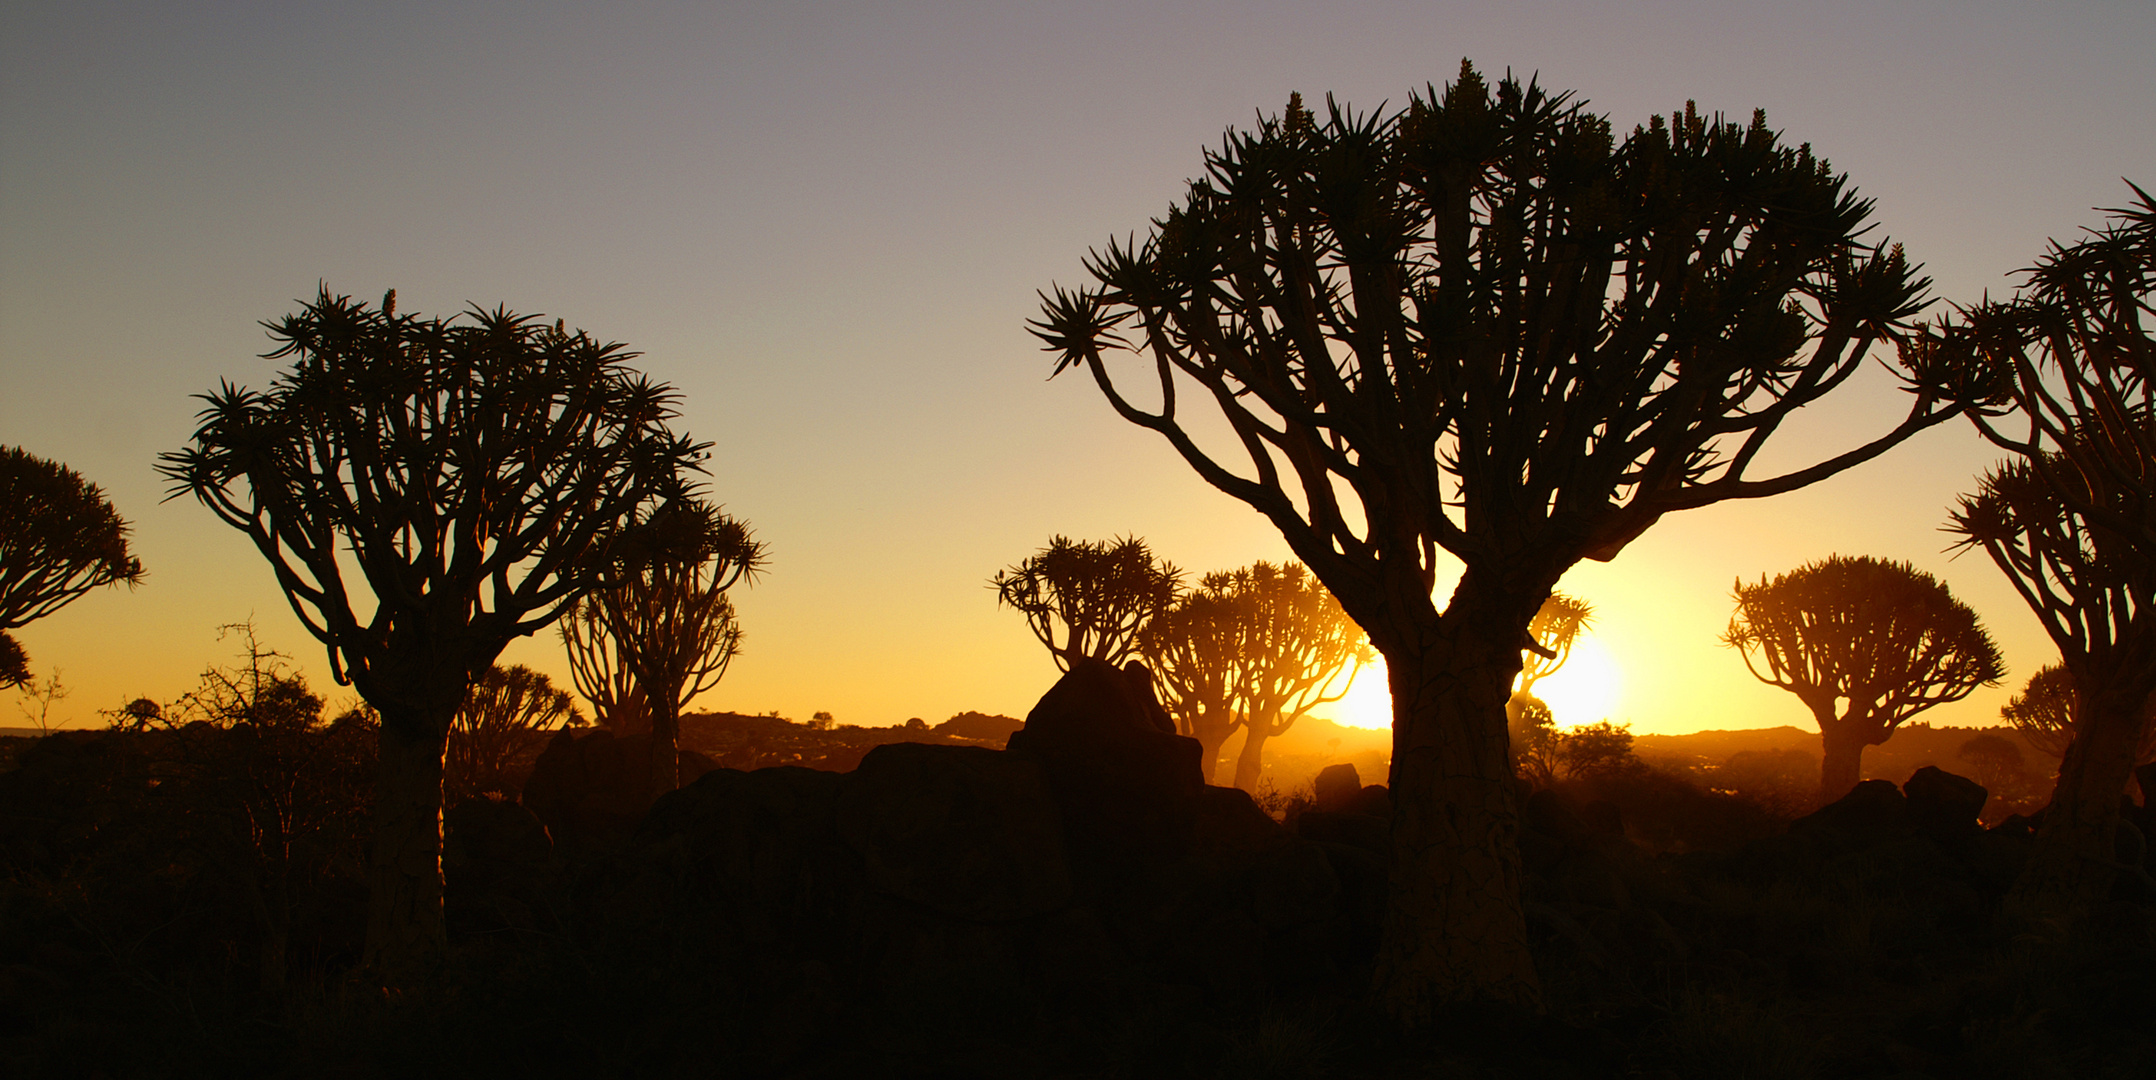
x,y
1454,928
665,750
1209,747
2072,865
1250,763
405,933
1842,759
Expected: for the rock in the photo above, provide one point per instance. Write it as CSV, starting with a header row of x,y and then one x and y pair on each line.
x,y
1374,800
1363,831
1872,811
1229,821
590,789
966,831
496,858
1337,786
1127,790
1141,677
1942,803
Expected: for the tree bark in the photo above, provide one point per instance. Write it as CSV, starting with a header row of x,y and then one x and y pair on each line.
x,y
1841,762
1210,748
1454,928
1250,763
405,933
665,750
2074,861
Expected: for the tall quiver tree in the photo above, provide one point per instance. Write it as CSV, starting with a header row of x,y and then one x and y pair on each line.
x,y
1195,648
1882,636
2070,362
1089,599
1486,327
467,471
2094,593
668,615
59,539
1300,650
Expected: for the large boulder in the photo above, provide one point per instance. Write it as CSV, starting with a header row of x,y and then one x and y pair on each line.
x,y
963,830
496,861
589,788
1128,791
1942,803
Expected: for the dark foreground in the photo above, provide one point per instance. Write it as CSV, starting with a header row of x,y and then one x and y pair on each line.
x,y
1075,906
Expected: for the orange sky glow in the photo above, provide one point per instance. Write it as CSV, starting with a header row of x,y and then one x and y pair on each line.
x,y
825,224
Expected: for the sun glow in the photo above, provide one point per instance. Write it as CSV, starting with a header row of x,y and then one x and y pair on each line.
x,y
1368,703
1586,689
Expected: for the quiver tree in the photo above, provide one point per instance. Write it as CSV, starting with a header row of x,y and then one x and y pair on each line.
x,y
59,538
461,474
1882,636
2093,590
669,618
506,707
1195,648
599,673
1300,650
2069,368
1483,326
1550,635
1089,599
2045,710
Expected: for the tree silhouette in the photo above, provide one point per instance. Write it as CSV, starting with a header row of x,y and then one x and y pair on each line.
x,y
59,538
2072,519
1085,598
671,625
2046,709
599,673
2073,358
1885,637
1551,633
2093,593
1195,647
1297,645
1484,326
467,473
505,707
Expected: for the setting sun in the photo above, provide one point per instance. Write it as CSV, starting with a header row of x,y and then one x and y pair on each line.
x,y
1586,689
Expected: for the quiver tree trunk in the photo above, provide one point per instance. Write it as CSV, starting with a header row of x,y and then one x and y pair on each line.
x,y
1841,762
1250,761
1454,926
2074,861
405,933
665,750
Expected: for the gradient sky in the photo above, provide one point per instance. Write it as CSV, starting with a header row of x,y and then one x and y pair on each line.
x,y
825,223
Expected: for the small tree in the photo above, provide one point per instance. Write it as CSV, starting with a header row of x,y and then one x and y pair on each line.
x,y
669,618
1195,647
504,710
1084,598
1886,638
2047,710
59,539
1487,327
1300,650
1550,636
265,795
467,473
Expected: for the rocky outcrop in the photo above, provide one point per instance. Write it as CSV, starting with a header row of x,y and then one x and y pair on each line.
x,y
1127,789
590,787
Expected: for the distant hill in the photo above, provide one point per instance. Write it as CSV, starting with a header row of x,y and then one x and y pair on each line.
x,y
1912,747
